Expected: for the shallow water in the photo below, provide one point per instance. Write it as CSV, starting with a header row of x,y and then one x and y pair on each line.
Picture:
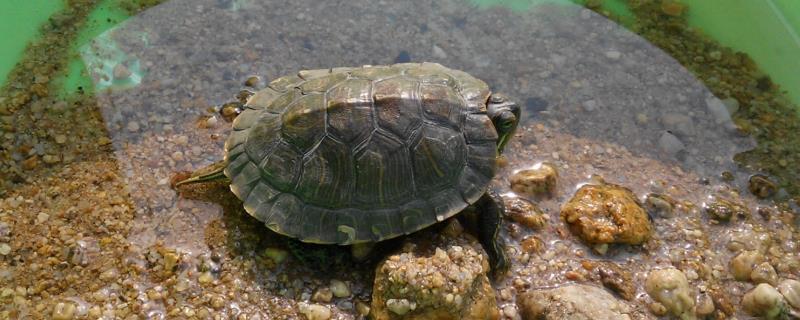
x,y
598,101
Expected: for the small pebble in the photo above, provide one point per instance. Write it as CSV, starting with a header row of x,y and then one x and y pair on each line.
x,y
743,264
525,212
659,205
211,122
764,273
42,217
50,159
400,306
61,139
121,72
761,186
133,126
510,311
670,144
5,249
613,54
30,163
340,289
532,244
323,295
705,305
790,289
170,261
205,277
641,118
362,308
64,311
764,301
315,311
177,156
537,181
181,140
252,81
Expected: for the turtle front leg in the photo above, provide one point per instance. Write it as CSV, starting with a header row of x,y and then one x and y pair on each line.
x,y
490,217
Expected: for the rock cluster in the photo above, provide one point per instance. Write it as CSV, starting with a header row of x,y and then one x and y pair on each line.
x,y
446,282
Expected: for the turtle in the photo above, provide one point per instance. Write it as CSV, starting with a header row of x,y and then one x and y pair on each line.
x,y
358,155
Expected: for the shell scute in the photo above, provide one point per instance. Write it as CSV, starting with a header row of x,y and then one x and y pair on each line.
x,y
304,122
397,105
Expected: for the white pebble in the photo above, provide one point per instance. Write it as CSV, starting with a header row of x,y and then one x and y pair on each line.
x,y
400,306
315,311
5,249
211,122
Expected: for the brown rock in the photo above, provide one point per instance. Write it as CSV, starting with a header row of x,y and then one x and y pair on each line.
x,y
532,244
617,279
525,212
541,180
447,282
30,163
607,214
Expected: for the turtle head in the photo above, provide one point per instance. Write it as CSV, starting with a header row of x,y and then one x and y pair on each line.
x,y
505,115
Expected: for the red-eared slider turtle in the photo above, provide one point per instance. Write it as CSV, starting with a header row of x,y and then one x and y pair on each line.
x,y
359,155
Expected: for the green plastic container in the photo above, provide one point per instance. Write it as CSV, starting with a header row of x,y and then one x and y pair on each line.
x,y
767,30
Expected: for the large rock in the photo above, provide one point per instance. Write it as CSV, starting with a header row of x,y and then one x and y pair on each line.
x,y
607,213
446,280
575,302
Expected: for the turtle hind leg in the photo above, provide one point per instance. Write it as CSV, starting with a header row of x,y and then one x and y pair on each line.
x,y
215,171
490,217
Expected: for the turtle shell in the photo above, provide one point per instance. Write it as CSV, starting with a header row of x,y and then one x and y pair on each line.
x,y
351,155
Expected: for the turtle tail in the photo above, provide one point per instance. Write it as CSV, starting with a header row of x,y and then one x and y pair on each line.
x,y
215,171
